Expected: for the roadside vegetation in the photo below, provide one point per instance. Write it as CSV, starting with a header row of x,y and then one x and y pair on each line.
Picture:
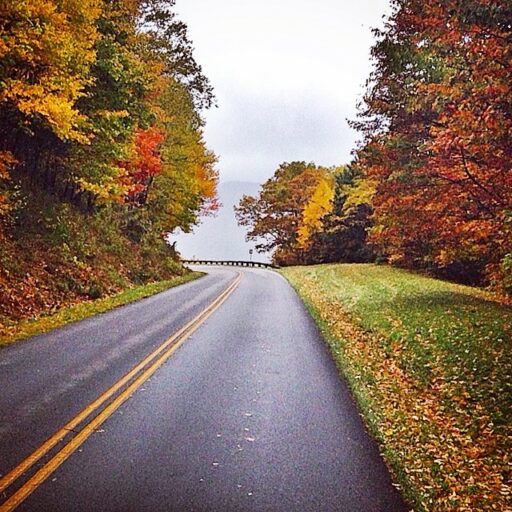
x,y
101,150
430,184
15,331
430,365
429,189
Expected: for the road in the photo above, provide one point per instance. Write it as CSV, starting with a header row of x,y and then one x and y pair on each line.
x,y
246,414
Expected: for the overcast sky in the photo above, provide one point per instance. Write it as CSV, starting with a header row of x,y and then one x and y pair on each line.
x,y
286,74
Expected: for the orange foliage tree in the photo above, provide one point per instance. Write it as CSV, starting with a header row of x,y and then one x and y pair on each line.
x,y
287,211
145,164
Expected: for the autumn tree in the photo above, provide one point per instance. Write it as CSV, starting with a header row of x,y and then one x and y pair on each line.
x,y
437,124
115,60
276,216
316,208
187,185
46,50
101,140
167,37
343,233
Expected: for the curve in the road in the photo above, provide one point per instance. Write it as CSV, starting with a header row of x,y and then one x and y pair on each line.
x,y
126,386
248,415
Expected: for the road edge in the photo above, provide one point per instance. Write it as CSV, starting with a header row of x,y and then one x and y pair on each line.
x,y
396,470
28,328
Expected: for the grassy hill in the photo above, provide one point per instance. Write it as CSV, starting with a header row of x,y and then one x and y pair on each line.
x,y
55,258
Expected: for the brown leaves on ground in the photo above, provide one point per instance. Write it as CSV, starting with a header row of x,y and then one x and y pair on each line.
x,y
442,445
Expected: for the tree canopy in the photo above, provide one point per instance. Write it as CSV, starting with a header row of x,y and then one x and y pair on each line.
x,y
101,107
430,185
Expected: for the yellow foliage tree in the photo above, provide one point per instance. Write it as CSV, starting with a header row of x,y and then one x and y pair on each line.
x,y
46,50
320,204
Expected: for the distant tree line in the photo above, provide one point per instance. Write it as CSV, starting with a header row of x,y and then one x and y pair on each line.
x,y
309,214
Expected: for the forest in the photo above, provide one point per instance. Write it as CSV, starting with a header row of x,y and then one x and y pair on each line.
x,y
101,149
429,187
102,152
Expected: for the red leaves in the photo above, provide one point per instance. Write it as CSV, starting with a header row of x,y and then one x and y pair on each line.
x,y
444,162
145,163
148,160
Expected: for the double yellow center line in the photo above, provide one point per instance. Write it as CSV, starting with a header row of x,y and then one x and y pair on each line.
x,y
127,385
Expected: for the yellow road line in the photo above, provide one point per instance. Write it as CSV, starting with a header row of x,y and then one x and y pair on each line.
x,y
175,341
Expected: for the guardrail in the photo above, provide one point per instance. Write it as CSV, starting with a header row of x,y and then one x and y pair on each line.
x,y
231,263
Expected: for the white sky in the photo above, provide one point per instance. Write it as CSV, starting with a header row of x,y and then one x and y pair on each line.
x,y
286,73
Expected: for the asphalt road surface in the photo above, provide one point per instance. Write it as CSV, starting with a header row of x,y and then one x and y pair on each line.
x,y
247,414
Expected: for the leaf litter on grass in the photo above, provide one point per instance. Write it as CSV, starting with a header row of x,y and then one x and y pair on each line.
x,y
429,363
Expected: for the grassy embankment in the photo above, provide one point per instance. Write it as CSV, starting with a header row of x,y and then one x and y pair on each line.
x,y
58,265
430,365
30,327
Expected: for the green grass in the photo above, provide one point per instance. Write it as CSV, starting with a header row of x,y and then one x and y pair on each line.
x,y
31,327
430,365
